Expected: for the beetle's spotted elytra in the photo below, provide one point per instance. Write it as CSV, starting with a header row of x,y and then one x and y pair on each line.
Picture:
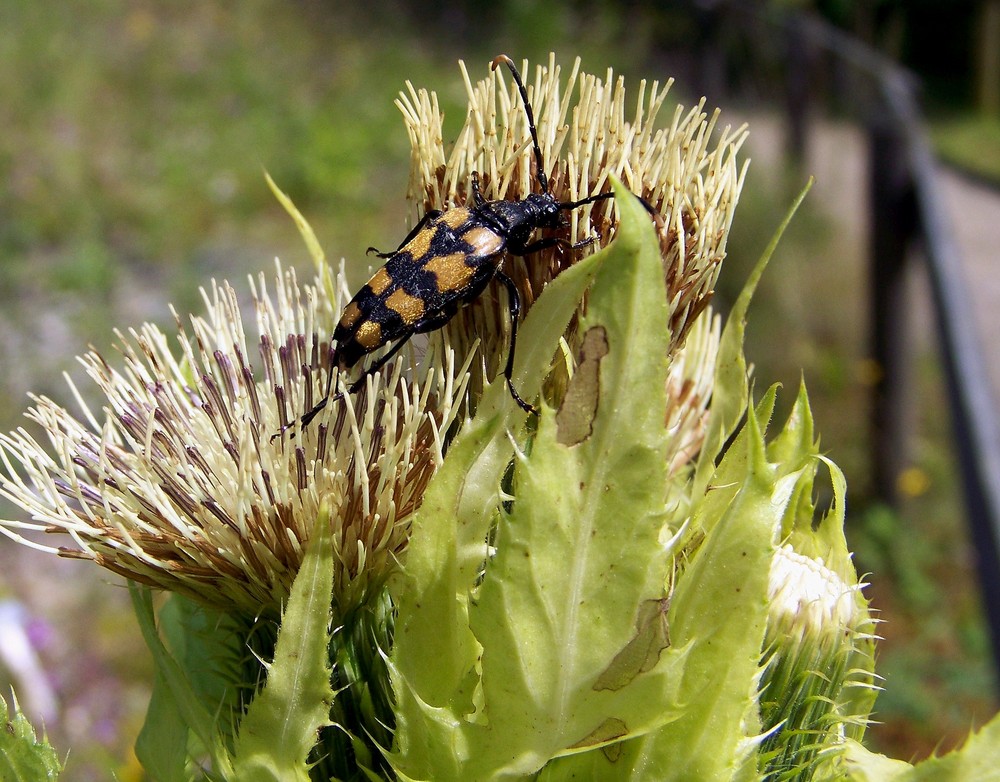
x,y
446,262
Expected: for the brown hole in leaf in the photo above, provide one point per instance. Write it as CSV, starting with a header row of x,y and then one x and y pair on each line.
x,y
575,417
652,636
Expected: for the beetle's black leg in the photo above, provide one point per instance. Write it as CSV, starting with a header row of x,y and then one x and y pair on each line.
x,y
416,229
514,305
567,205
553,241
309,416
435,322
477,194
304,421
352,389
377,365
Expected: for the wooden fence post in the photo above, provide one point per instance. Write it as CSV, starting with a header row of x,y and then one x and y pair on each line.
x,y
892,216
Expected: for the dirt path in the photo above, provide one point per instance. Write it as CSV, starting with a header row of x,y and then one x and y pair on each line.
x,y
974,210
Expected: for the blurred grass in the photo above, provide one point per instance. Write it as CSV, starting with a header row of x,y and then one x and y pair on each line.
x,y
971,143
131,172
137,133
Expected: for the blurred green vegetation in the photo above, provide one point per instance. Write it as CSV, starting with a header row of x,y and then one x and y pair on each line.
x,y
137,132
135,136
971,143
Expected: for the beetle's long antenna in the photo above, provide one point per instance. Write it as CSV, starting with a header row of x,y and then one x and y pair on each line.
x,y
602,196
588,200
543,180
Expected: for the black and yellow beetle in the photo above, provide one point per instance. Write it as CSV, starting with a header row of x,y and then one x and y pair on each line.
x,y
445,262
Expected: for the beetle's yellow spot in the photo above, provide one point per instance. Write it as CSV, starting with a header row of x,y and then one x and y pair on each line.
x,y
420,244
369,335
451,271
483,241
409,308
380,281
455,218
350,316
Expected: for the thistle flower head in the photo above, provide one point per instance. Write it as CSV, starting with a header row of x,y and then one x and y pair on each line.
x,y
587,131
809,600
815,653
178,482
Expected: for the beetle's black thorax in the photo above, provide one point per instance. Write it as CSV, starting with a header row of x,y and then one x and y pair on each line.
x,y
517,220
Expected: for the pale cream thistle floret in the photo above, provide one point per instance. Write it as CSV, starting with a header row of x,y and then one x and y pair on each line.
x,y
809,599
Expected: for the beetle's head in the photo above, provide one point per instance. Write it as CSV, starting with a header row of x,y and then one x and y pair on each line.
x,y
545,210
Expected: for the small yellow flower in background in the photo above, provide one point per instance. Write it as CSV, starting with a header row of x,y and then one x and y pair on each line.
x,y
913,482
178,482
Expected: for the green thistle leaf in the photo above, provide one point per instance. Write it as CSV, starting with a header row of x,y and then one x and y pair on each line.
x,y
719,607
23,758
177,710
434,649
977,760
572,615
565,645
282,723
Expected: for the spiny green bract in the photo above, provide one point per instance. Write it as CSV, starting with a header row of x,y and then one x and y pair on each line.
x,y
23,758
